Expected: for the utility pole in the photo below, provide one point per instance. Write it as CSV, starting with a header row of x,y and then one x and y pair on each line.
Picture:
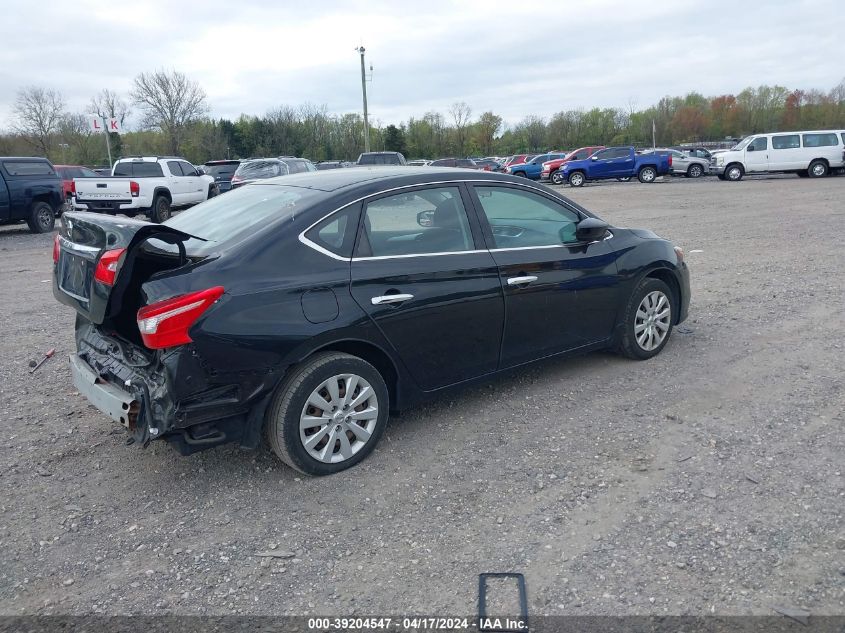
x,y
360,49
108,140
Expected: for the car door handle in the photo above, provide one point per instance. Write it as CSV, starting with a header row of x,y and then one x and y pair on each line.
x,y
518,281
397,298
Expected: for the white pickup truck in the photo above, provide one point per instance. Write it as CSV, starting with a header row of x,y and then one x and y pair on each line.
x,y
152,185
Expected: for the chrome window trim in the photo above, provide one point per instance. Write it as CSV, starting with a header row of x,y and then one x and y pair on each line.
x,y
310,244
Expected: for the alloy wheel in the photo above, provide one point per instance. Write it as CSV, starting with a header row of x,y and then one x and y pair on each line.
x,y
45,218
651,325
818,169
338,418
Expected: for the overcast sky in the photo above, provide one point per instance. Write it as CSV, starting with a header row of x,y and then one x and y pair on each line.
x,y
515,58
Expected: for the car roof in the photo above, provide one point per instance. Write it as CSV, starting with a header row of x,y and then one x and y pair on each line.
x,y
398,176
25,159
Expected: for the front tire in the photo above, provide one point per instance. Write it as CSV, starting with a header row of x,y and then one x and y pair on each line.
x,y
818,169
647,175
160,210
42,218
328,415
695,171
557,178
576,179
734,173
648,320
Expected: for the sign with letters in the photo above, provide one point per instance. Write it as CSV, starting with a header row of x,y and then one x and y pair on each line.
x,y
98,124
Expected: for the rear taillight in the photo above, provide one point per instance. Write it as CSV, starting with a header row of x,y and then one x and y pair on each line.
x,y
56,249
73,187
166,323
134,189
670,160
106,269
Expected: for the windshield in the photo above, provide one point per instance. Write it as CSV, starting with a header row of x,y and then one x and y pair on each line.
x,y
236,215
258,169
743,143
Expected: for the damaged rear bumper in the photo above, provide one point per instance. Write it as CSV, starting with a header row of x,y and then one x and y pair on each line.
x,y
167,396
118,404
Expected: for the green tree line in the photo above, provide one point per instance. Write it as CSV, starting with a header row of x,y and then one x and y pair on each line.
x,y
175,120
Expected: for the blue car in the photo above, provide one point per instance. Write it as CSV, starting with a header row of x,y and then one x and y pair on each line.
x,y
534,167
622,163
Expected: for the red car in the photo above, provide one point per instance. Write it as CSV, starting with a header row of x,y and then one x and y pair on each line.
x,y
551,167
518,159
67,173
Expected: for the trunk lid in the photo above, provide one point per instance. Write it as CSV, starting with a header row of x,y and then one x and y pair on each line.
x,y
83,239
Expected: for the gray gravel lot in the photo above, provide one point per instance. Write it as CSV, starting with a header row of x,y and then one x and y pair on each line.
x,y
706,480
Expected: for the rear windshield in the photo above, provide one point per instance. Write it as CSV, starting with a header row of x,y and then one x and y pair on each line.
x,y
226,171
379,159
258,169
29,168
236,215
140,169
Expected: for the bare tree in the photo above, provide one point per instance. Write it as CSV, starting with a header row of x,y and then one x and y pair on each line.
x,y
461,114
110,104
38,114
170,101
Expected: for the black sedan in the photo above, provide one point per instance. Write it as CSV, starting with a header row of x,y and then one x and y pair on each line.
x,y
308,307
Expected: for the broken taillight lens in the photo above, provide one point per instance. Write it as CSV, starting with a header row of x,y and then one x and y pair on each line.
x,y
106,269
166,323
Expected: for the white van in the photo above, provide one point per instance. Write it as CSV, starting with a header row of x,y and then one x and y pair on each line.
x,y
809,154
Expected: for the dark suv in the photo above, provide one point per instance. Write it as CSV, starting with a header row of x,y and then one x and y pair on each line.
x,y
262,168
222,172
381,158
30,190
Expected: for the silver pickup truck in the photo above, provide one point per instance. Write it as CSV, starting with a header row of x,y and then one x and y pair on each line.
x,y
150,185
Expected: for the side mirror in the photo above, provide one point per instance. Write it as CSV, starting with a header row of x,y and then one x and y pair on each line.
x,y
591,230
425,218
750,148
594,157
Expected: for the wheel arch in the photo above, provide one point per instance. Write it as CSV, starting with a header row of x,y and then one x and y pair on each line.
x,y
372,354
668,277
162,191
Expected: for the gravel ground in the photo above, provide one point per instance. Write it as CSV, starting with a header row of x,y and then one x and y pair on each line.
x,y
706,480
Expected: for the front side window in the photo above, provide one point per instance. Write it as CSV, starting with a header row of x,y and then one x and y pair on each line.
x,y
416,222
188,169
584,153
759,144
520,218
820,140
787,141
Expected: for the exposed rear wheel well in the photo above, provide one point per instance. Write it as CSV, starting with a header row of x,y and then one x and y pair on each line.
x,y
669,279
375,357
165,193
43,197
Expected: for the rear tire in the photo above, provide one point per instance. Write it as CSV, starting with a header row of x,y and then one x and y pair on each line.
x,y
734,173
42,218
647,175
818,169
293,404
644,335
160,210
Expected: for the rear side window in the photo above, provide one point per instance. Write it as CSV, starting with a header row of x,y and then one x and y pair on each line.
x,y
466,163
141,169
786,141
821,140
296,166
417,222
337,232
175,167
29,168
